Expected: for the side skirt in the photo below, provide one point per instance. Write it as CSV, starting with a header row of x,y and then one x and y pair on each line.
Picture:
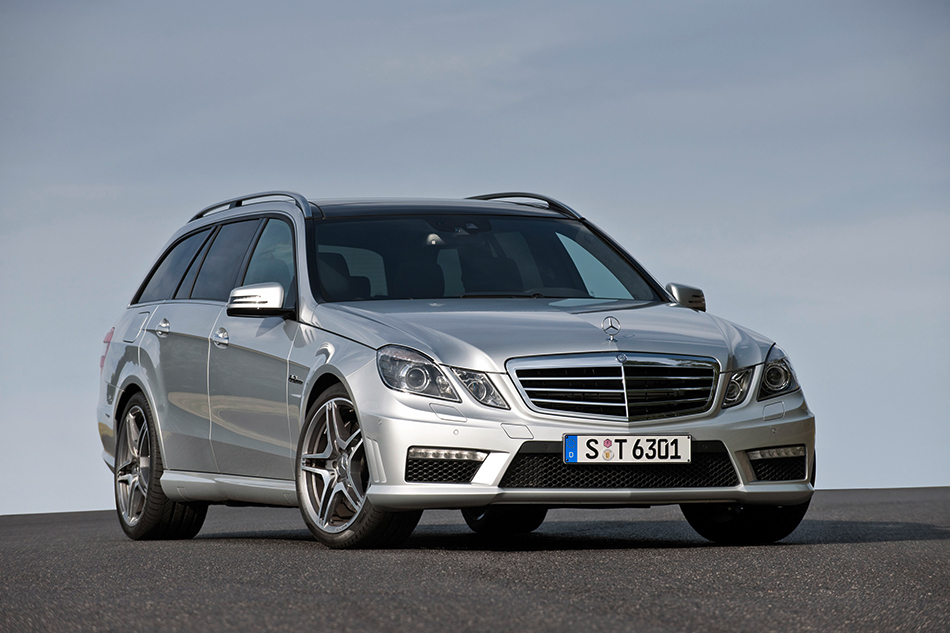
x,y
188,486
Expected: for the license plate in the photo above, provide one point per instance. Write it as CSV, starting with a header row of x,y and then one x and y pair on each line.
x,y
627,449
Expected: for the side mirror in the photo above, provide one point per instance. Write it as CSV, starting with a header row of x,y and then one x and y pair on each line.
x,y
688,296
258,300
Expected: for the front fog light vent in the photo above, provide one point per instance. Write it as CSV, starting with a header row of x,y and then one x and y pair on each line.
x,y
785,463
443,465
447,454
777,453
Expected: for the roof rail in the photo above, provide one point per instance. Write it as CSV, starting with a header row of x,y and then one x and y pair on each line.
x,y
553,204
302,203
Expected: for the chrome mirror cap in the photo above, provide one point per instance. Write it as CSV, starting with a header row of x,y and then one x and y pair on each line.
x,y
688,296
266,299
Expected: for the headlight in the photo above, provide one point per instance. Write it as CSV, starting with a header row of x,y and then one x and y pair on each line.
x,y
737,387
407,370
778,377
481,388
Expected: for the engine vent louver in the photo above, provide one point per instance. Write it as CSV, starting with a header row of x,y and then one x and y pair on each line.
x,y
638,388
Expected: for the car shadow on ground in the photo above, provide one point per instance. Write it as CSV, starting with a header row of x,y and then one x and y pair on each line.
x,y
821,531
610,535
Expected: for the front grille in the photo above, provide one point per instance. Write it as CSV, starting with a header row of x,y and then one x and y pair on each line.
x,y
442,471
541,465
638,388
779,469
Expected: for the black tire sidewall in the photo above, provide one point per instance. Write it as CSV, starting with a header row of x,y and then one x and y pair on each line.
x,y
368,518
155,498
731,524
504,519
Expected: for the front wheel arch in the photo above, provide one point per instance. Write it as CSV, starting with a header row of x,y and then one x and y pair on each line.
x,y
332,479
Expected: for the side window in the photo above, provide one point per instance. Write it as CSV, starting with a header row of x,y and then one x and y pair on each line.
x,y
273,258
221,265
188,282
164,281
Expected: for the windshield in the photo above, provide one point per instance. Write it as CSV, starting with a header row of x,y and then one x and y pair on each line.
x,y
435,257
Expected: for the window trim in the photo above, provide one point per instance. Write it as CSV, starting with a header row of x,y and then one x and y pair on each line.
x,y
293,242
161,259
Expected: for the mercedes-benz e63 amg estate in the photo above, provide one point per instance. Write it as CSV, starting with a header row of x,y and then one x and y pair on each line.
x,y
366,360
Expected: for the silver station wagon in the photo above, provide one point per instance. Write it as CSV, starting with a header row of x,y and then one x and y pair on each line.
x,y
366,360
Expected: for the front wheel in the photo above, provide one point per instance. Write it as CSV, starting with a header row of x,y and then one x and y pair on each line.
x,y
333,478
735,524
501,520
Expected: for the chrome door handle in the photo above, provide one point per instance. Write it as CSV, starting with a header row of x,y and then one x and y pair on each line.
x,y
163,328
220,338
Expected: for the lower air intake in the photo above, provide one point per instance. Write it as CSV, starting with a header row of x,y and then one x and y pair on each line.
x,y
441,471
541,465
780,469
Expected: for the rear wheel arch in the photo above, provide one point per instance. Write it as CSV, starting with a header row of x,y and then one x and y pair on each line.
x,y
126,393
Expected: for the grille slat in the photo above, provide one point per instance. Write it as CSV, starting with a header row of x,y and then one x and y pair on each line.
x,y
643,387
605,385
569,389
577,402
658,388
668,402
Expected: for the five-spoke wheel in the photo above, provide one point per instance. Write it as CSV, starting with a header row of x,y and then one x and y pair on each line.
x,y
144,510
133,463
333,478
333,465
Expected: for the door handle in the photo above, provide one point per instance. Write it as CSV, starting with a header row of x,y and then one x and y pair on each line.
x,y
220,338
163,328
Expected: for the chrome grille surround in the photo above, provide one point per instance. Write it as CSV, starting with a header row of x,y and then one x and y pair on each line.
x,y
617,386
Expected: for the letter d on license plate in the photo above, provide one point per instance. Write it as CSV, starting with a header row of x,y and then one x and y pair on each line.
x,y
627,449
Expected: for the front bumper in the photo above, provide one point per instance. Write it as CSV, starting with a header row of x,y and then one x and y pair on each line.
x,y
407,421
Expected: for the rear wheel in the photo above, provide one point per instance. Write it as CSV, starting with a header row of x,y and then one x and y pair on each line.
x,y
333,478
501,520
735,524
144,510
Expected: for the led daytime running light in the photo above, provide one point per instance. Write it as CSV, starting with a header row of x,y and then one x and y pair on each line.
x,y
454,454
777,453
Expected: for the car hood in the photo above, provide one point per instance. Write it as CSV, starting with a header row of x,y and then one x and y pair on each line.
x,y
483,334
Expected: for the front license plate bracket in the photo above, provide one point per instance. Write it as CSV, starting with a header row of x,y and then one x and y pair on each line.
x,y
627,449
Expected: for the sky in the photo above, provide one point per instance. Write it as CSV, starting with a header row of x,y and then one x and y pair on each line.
x,y
792,159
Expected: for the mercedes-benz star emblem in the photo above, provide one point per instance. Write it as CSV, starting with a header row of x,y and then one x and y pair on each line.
x,y
611,327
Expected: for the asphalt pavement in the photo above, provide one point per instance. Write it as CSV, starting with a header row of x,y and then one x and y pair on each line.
x,y
863,560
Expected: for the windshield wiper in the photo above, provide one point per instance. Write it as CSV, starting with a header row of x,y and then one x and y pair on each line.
x,y
496,295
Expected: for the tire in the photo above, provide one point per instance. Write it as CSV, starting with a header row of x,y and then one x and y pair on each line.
x,y
502,520
735,524
333,477
145,513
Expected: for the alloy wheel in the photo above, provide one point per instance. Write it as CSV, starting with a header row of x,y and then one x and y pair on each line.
x,y
333,466
134,459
